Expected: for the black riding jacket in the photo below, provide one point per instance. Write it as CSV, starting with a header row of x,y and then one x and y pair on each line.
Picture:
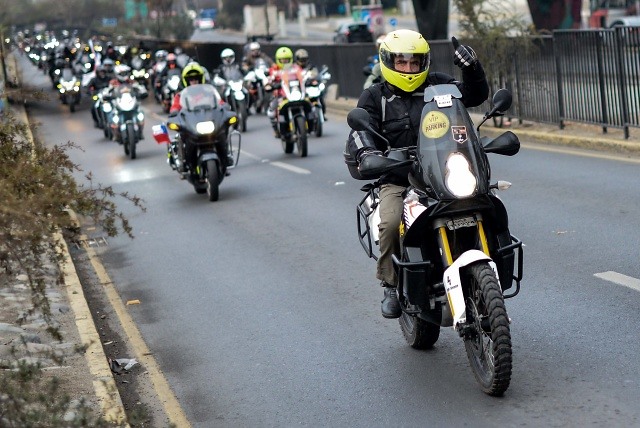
x,y
396,114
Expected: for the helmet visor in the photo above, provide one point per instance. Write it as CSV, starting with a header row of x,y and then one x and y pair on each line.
x,y
406,63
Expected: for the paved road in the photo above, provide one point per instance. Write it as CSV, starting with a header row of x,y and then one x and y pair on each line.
x,y
262,310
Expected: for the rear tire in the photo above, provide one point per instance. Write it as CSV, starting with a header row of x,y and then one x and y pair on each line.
x,y
287,144
489,351
418,333
131,140
301,131
213,181
319,122
243,114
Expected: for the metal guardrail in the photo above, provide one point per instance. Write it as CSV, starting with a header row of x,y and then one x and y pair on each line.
x,y
585,76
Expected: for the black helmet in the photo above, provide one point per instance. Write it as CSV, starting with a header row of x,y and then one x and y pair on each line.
x,y
302,57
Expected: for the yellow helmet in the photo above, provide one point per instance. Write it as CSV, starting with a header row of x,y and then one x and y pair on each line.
x,y
407,45
284,57
191,71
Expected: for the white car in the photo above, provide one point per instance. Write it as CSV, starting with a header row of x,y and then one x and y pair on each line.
x,y
206,24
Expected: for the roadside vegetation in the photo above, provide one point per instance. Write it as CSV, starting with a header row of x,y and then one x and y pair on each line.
x,y
496,32
38,187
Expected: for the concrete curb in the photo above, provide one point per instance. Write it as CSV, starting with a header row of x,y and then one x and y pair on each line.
x,y
103,381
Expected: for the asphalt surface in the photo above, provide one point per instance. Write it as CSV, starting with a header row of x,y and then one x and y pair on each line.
x,y
573,135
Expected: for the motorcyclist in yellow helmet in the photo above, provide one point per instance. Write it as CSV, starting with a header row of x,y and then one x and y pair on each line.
x,y
395,107
192,74
284,61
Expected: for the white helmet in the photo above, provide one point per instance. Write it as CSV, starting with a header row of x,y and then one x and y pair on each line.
x,y
123,72
228,56
254,49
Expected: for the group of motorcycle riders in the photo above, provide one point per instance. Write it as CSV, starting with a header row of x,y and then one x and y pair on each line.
x,y
394,105
110,74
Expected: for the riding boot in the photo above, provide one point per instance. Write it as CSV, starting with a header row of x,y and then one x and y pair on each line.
x,y
390,303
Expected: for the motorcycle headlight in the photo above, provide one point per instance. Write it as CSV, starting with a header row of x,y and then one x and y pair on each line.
x,y
205,127
174,82
126,102
236,85
140,117
458,176
313,92
116,118
106,107
295,96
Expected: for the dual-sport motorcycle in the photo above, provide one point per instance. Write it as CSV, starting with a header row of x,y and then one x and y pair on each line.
x,y
139,71
69,89
293,112
203,125
234,93
127,119
315,85
457,255
255,81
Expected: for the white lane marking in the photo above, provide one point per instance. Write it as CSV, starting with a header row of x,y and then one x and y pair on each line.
x,y
249,155
620,279
282,165
291,168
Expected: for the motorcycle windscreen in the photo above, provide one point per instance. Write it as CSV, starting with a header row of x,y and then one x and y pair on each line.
x,y
67,74
451,159
197,97
136,63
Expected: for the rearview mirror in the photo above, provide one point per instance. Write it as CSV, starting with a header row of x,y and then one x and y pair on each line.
x,y
502,100
358,119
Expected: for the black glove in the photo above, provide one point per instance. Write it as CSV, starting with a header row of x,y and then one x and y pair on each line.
x,y
464,56
366,151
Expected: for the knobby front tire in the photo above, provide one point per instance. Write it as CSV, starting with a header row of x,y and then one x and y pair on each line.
x,y
489,351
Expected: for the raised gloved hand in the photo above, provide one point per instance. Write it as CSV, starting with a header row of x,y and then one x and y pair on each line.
x,y
464,56
366,151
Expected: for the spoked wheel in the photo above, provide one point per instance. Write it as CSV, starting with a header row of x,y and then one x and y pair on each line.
x,y
301,131
489,350
213,181
131,141
418,333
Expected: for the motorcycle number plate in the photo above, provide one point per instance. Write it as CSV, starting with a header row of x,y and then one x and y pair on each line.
x,y
457,223
443,100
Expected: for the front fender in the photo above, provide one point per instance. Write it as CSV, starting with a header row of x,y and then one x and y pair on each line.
x,y
207,157
453,283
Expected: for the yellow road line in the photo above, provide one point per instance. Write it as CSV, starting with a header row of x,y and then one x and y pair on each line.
x,y
103,382
172,408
